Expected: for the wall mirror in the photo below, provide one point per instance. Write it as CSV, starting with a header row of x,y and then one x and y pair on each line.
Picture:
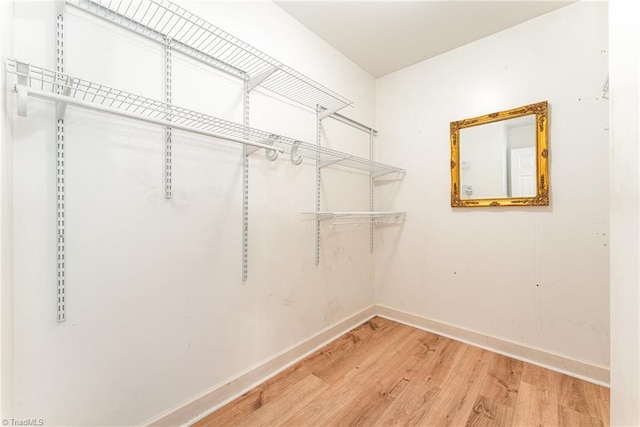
x,y
501,159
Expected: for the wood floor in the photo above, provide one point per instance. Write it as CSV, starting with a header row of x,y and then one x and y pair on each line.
x,y
387,374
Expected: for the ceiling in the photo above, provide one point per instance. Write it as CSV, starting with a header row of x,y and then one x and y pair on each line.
x,y
386,36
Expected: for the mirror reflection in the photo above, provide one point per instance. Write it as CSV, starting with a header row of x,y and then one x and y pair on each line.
x,y
498,159
501,159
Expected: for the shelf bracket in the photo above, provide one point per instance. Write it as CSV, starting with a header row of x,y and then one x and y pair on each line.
x,y
252,149
255,81
21,104
381,173
326,163
61,107
20,88
324,113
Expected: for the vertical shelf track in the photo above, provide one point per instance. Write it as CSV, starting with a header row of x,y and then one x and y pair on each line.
x,y
167,130
60,184
318,178
371,201
246,152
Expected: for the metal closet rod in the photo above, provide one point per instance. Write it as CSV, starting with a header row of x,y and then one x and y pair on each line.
x,y
89,106
346,120
353,213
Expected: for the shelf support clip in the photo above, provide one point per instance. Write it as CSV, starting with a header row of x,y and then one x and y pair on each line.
x,y
378,174
271,154
253,149
326,113
21,87
324,164
255,81
61,107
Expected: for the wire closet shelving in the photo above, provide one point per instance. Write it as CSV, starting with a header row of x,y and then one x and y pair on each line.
x,y
166,22
43,83
341,218
179,30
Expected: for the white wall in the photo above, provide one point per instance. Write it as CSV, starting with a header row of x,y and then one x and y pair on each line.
x,y
6,224
156,309
534,276
625,231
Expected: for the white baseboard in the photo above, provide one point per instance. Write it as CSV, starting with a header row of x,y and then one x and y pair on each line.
x,y
555,362
205,403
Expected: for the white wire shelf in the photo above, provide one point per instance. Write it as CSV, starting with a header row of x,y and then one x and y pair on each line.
x,y
47,84
166,22
359,217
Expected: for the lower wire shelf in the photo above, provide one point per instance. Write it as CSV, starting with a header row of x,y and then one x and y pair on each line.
x,y
359,217
47,84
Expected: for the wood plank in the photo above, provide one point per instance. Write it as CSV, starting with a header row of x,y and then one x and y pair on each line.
x,y
487,412
383,340
292,400
459,393
387,361
414,404
429,343
580,396
535,406
605,410
340,351
541,378
228,415
326,406
380,387
569,417
445,363
604,393
503,381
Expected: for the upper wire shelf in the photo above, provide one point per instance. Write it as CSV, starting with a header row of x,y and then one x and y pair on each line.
x,y
44,83
166,22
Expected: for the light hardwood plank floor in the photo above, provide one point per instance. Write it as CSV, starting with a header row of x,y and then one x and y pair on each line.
x,y
387,374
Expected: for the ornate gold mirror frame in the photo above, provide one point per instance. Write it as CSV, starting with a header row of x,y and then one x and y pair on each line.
x,y
541,198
